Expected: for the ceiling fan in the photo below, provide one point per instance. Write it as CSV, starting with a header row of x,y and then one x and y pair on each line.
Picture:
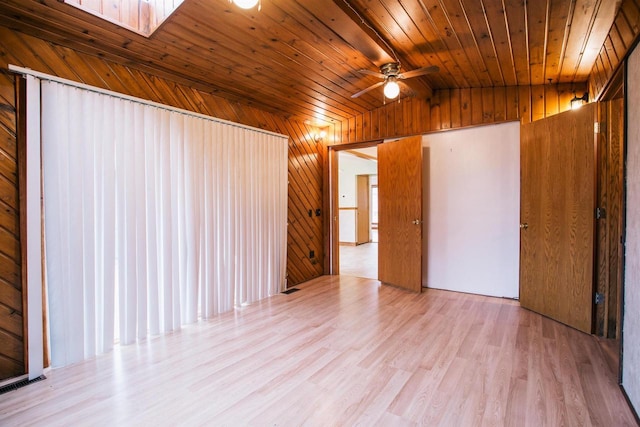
x,y
391,75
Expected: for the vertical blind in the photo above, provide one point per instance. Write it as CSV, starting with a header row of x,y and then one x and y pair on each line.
x,y
153,218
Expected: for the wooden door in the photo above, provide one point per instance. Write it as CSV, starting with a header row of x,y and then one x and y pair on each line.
x,y
609,228
557,217
400,213
362,212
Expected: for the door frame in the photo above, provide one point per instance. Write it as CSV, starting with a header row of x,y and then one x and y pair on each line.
x,y
331,203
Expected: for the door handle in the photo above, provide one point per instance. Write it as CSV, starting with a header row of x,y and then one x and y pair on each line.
x,y
524,226
416,222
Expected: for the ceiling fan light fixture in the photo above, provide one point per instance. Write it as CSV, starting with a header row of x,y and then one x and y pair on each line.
x,y
246,4
391,89
391,75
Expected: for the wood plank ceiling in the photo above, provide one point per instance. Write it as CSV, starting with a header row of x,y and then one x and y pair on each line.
x,y
300,58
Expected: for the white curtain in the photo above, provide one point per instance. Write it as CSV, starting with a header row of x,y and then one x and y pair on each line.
x,y
153,217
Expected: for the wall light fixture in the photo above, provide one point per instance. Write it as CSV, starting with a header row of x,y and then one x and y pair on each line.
x,y
579,102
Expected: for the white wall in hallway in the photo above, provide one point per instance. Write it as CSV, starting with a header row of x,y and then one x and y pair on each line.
x,y
349,167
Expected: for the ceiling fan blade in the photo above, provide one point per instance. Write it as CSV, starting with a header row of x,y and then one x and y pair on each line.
x,y
355,95
406,89
419,72
372,73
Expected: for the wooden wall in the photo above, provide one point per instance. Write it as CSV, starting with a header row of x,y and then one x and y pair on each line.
x,y
609,228
305,164
11,320
621,38
456,108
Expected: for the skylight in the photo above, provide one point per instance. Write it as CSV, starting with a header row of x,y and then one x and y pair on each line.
x,y
141,16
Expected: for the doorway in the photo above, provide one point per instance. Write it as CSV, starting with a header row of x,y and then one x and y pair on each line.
x,y
399,167
356,200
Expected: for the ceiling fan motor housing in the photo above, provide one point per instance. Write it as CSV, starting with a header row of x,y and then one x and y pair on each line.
x,y
390,69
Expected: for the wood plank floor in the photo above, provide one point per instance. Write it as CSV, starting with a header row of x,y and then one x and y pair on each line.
x,y
359,261
342,351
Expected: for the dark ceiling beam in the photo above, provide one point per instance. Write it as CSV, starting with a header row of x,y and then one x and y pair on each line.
x,y
354,30
363,37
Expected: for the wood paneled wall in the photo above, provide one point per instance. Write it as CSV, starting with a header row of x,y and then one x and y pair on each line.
x,y
457,108
306,157
11,319
622,36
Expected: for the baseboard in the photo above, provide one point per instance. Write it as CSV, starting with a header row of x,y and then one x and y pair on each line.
x,y
347,243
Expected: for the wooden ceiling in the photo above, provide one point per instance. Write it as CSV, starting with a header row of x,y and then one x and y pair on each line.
x,y
300,58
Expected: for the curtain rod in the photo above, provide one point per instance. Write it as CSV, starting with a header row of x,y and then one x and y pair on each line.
x,y
43,76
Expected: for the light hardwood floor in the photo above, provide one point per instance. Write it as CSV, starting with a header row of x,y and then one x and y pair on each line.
x,y
359,261
342,351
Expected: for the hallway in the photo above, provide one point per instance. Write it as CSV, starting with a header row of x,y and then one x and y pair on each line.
x,y
359,261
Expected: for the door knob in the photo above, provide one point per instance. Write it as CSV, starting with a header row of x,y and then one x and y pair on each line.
x,y
524,226
416,222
